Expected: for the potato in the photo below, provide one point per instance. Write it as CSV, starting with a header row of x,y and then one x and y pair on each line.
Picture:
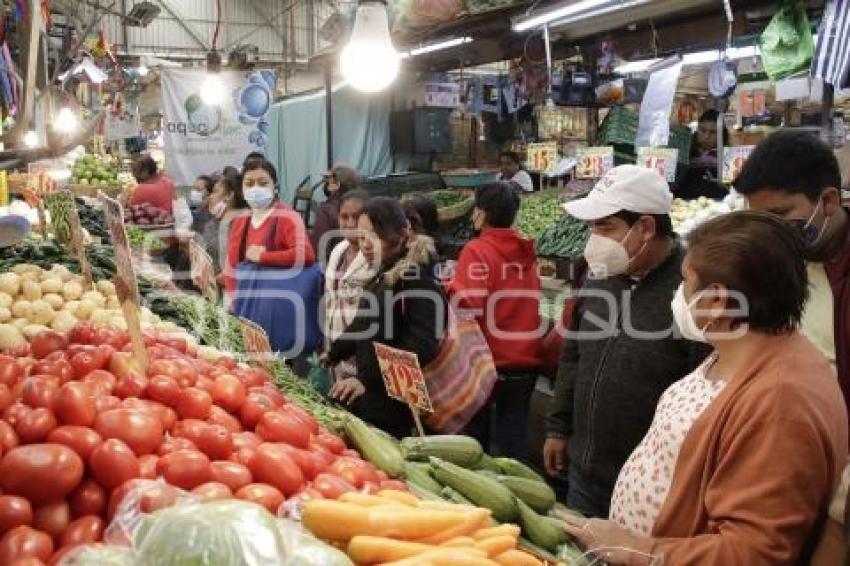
x,y
112,302
87,306
6,300
95,296
32,330
101,317
11,337
54,300
71,307
5,314
63,321
72,290
31,290
51,285
10,283
19,323
21,309
22,268
106,287
118,322
62,272
41,312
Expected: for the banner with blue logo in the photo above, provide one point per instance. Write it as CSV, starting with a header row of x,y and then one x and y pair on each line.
x,y
203,138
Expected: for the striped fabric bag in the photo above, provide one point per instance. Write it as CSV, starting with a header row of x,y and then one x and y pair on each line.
x,y
461,378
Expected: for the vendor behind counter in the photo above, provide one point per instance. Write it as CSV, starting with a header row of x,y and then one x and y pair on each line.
x,y
700,178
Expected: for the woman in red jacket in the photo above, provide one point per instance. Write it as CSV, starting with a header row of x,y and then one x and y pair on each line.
x,y
273,234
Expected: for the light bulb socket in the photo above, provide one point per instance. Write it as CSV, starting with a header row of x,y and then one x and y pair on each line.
x,y
213,62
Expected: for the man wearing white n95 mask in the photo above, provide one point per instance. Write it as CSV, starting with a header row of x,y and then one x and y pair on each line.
x,y
621,352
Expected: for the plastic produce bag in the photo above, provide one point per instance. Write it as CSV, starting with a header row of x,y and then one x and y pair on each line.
x,y
786,43
303,549
99,555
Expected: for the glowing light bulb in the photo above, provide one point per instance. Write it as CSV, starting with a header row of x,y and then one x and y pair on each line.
x,y
142,70
66,121
212,90
369,62
30,139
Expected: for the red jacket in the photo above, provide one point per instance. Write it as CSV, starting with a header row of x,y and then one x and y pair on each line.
x,y
838,272
283,235
496,276
158,192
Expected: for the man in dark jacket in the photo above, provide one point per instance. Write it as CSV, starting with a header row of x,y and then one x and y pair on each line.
x,y
621,352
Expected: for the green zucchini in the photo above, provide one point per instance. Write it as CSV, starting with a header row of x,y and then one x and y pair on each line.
x,y
420,474
545,532
376,448
457,449
511,467
479,489
535,494
486,462
454,496
422,493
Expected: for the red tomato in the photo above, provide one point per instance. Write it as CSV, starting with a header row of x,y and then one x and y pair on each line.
x,y
185,469
74,404
193,403
272,391
47,342
256,404
38,391
228,393
25,542
394,485
382,476
204,384
141,431
131,385
162,367
215,442
221,417
84,530
322,459
123,364
84,363
232,474
274,466
212,490
244,456
57,356
308,494
276,426
100,380
80,439
189,428
349,471
106,403
88,499
8,437
52,518
303,416
15,412
368,471
168,416
156,496
59,368
163,389
370,487
303,459
174,443
104,354
331,486
14,512
245,439
112,463
6,398
261,494
107,335
226,363
35,426
351,453
82,333
21,351
11,372
147,466
251,377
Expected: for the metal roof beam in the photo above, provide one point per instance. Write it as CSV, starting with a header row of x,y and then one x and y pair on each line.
x,y
180,21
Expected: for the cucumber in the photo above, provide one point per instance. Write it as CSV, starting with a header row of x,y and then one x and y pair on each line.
x,y
535,494
455,448
420,474
479,489
545,532
486,462
511,467
376,448
454,496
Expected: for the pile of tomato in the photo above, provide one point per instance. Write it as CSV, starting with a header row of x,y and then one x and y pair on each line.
x,y
81,425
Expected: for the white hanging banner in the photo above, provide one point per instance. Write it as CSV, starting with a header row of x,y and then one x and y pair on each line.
x,y
201,138
654,122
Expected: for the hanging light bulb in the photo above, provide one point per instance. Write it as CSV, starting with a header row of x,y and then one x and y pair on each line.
x,y
142,70
369,62
66,121
31,139
212,89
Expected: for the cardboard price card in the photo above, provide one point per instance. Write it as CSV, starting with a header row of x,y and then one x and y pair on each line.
x,y
126,285
733,161
67,228
662,159
203,270
542,157
256,341
594,162
403,377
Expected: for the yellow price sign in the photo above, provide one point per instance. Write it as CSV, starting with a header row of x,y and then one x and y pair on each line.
x,y
662,159
733,161
594,162
542,157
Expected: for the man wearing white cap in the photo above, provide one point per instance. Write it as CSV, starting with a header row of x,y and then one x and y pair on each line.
x,y
621,352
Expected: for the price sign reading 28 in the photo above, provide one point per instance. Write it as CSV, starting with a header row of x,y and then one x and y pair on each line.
x,y
403,377
542,157
594,162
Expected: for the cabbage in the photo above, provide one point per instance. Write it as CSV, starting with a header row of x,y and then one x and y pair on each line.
x,y
217,533
303,549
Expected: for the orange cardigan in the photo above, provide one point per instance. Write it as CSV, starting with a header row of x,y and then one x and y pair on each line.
x,y
756,472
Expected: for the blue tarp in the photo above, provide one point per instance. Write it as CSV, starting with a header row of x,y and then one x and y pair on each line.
x,y
297,141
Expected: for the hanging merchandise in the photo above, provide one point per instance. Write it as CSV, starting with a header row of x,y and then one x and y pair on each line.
x,y
831,61
480,6
786,43
121,121
412,14
654,123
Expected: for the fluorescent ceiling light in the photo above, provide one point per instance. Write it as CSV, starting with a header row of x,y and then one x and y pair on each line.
x,y
697,58
448,44
575,11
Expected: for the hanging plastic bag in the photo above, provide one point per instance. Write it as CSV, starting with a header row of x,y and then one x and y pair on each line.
x,y
786,43
319,377
654,122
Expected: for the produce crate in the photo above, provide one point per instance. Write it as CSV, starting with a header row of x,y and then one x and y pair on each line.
x,y
469,177
91,190
456,211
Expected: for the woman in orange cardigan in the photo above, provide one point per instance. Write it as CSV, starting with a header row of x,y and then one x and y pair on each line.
x,y
743,454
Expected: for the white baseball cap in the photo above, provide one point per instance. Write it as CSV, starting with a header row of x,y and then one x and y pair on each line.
x,y
627,187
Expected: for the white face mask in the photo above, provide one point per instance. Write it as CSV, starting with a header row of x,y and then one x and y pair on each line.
x,y
684,316
607,257
218,208
259,198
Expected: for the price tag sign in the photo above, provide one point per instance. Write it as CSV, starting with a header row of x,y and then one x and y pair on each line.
x,y
126,286
203,270
733,161
594,162
67,228
662,159
257,343
403,377
543,157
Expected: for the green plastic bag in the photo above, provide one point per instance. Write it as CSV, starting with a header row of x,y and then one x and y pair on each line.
x,y
319,377
786,43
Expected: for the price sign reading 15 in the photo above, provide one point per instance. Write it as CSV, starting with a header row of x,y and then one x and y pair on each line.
x,y
542,157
